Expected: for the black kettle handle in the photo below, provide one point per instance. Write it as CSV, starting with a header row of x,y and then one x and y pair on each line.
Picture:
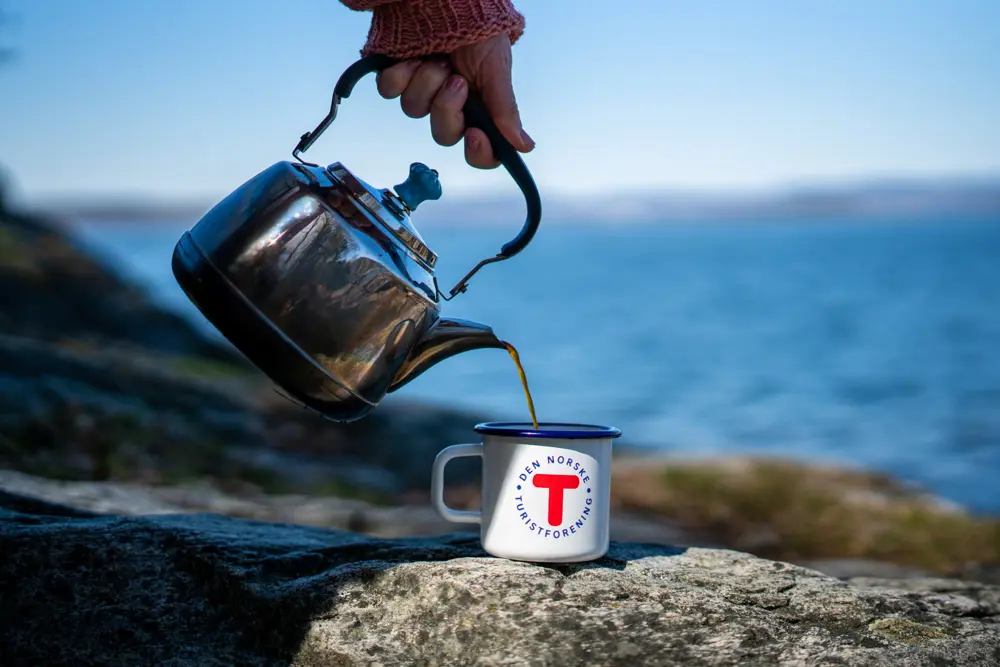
x,y
475,116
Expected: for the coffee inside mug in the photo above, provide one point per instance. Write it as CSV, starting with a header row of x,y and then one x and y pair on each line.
x,y
560,430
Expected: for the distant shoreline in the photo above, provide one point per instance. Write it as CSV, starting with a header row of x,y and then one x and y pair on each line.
x,y
111,221
900,200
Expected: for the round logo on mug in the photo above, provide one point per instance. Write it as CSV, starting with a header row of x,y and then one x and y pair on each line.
x,y
554,495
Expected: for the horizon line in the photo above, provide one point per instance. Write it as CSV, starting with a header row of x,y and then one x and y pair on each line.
x,y
988,178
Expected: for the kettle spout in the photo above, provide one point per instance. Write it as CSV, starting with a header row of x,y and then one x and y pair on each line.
x,y
445,339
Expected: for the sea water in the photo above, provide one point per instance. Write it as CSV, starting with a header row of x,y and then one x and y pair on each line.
x,y
869,343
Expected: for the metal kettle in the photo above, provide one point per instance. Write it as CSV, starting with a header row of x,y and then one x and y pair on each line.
x,y
322,281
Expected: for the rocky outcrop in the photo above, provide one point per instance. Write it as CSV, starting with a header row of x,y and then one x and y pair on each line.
x,y
791,510
97,382
203,589
108,413
53,290
100,385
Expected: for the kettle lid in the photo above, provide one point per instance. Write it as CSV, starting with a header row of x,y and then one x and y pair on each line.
x,y
393,210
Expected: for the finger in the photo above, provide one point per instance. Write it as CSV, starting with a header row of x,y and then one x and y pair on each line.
x,y
478,152
392,81
428,79
498,97
447,119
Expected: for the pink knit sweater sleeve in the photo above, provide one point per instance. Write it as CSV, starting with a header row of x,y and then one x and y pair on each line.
x,y
412,28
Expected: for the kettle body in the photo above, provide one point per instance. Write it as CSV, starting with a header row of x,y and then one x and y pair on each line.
x,y
322,281
317,291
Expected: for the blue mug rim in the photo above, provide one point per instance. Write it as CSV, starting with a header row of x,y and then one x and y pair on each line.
x,y
548,430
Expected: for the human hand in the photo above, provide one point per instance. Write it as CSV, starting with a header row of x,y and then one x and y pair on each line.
x,y
441,87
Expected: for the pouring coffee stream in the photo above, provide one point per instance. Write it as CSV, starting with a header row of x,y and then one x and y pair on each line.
x,y
323,282
524,381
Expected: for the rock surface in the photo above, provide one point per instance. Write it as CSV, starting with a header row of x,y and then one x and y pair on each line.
x,y
81,589
323,511
356,515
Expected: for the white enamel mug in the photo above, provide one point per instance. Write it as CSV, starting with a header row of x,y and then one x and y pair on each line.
x,y
546,493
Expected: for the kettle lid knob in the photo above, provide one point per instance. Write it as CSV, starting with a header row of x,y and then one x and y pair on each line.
x,y
421,185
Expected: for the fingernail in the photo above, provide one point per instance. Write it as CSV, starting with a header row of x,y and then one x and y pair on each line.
x,y
473,140
455,83
526,138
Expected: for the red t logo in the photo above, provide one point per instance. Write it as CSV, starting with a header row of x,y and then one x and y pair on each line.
x,y
556,484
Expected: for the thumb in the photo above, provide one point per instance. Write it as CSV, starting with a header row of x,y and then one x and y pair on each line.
x,y
498,97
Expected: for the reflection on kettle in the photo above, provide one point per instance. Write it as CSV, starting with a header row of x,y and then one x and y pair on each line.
x,y
323,282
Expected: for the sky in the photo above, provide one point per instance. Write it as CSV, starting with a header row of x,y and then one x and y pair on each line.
x,y
188,98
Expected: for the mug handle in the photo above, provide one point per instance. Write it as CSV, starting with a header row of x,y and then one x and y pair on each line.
x,y
437,483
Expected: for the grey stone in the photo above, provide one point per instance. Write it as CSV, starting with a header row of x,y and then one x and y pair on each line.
x,y
80,588
847,568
